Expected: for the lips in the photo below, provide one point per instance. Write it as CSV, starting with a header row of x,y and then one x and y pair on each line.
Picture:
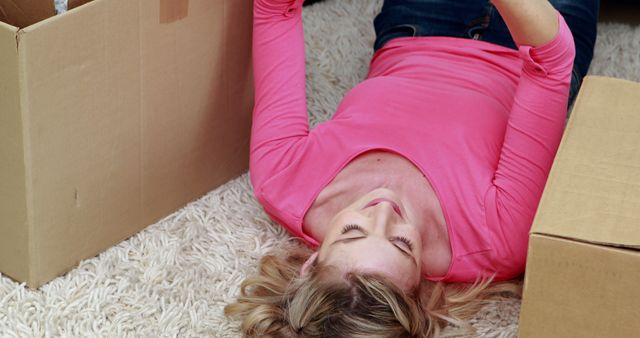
x,y
394,205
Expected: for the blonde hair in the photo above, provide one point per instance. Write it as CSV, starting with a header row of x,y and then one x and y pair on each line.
x,y
278,302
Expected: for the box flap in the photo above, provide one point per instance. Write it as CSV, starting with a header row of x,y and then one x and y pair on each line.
x,y
593,191
22,13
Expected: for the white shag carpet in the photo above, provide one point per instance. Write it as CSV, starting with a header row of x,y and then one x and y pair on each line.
x,y
174,278
61,6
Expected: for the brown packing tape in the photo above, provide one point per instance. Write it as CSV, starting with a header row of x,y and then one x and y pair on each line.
x,y
22,13
173,10
76,3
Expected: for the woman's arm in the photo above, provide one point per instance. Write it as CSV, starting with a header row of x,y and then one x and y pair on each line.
x,y
280,118
531,22
532,136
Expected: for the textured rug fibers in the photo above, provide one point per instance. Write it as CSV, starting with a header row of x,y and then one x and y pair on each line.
x,y
174,278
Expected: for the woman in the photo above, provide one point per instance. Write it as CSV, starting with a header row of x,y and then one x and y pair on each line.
x,y
430,170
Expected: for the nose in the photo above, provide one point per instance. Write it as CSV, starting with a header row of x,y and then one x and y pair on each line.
x,y
383,215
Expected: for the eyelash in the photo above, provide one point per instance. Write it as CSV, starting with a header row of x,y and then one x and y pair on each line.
x,y
402,239
350,227
405,241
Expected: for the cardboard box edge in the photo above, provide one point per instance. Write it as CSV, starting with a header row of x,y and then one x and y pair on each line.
x,y
20,218
23,44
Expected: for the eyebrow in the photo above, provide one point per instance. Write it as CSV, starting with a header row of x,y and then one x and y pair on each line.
x,y
353,239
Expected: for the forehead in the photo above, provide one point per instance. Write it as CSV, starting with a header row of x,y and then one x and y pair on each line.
x,y
372,256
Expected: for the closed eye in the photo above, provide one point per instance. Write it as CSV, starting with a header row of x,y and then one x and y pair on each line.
x,y
350,227
356,228
404,240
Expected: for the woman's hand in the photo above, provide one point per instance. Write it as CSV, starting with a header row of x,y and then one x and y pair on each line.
x,y
531,22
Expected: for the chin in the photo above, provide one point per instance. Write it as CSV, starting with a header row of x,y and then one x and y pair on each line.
x,y
383,192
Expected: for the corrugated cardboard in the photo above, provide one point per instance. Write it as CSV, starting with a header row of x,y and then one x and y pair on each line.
x,y
110,119
583,265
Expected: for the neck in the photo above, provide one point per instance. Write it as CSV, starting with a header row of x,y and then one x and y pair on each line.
x,y
340,194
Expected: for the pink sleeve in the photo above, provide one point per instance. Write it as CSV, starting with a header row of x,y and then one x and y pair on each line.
x,y
533,133
280,113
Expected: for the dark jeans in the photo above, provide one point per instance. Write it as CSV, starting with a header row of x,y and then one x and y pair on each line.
x,y
480,20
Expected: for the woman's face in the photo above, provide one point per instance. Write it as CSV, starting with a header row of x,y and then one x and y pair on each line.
x,y
375,234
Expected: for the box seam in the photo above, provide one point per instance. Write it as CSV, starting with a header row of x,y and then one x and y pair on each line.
x,y
603,244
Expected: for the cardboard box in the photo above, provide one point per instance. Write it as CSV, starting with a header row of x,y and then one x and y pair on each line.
x,y
583,265
112,116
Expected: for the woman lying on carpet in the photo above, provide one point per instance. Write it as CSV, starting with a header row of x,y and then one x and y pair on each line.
x,y
429,172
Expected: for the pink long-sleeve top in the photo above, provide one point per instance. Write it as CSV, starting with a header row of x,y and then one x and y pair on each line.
x,y
481,121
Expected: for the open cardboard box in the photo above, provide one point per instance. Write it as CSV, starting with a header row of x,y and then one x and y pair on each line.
x,y
583,264
112,116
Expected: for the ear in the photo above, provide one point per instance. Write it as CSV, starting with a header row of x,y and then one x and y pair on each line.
x,y
308,264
